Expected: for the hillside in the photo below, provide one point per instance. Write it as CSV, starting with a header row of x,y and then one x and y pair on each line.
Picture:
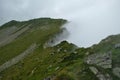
x,y
26,54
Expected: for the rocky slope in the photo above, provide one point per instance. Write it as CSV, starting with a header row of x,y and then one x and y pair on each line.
x,y
27,51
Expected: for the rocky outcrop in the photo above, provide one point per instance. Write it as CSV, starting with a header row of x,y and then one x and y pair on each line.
x,y
117,45
116,71
50,78
103,60
99,75
17,58
94,70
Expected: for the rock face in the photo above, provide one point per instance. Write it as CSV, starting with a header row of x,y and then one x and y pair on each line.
x,y
94,70
100,60
50,77
117,45
103,60
116,71
17,58
99,75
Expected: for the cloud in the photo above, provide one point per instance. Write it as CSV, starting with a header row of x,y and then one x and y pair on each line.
x,y
90,20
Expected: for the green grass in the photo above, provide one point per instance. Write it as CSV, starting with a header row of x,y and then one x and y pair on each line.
x,y
46,64
64,61
38,36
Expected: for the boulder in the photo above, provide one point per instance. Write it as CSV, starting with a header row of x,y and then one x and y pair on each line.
x,y
94,70
116,71
117,45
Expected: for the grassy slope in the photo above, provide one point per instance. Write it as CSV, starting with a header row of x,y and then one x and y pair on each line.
x,y
108,45
42,64
65,64
33,35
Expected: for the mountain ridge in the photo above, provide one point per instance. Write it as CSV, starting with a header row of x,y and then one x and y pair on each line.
x,y
64,61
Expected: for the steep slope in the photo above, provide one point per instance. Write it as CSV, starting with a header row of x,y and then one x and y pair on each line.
x,y
111,45
64,61
16,37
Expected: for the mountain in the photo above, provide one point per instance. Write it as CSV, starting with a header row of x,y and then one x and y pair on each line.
x,y
28,52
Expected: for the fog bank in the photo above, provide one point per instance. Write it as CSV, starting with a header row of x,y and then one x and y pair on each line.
x,y
89,20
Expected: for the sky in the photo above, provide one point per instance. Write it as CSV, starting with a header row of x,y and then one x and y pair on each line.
x,y
89,20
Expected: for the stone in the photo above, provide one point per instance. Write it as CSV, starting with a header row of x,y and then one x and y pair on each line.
x,y
75,52
52,53
87,53
48,78
106,66
116,71
49,66
94,70
65,50
103,60
59,49
57,68
101,77
32,72
117,45
108,77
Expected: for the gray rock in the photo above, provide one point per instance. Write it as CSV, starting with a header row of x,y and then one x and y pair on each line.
x,y
48,78
102,60
117,45
94,70
101,77
116,71
57,68
75,52
65,50
87,53
52,53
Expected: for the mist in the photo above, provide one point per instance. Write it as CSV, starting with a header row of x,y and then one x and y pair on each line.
x,y
89,21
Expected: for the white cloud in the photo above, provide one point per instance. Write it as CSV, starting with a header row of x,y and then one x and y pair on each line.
x,y
91,20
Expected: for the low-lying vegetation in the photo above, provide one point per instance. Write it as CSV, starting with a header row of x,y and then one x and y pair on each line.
x,y
64,61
